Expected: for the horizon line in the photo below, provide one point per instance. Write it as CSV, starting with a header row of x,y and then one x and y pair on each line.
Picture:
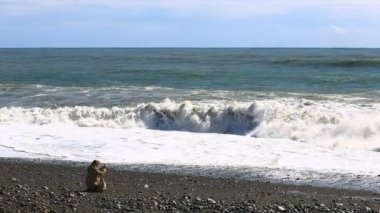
x,y
182,47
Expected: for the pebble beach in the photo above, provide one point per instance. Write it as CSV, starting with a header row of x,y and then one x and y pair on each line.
x,y
42,186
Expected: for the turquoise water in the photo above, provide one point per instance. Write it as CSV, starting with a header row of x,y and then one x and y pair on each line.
x,y
34,77
293,70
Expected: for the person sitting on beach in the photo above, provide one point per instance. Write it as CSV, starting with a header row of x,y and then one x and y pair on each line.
x,y
95,180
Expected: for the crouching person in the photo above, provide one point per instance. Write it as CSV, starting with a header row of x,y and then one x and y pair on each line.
x,y
95,177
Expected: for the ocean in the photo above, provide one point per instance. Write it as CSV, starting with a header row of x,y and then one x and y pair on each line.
x,y
289,115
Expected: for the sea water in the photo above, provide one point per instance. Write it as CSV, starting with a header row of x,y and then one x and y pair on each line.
x,y
295,115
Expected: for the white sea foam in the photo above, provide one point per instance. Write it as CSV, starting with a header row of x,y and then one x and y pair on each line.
x,y
281,159
322,142
326,123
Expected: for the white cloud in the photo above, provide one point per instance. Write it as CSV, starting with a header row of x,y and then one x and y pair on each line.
x,y
338,30
213,8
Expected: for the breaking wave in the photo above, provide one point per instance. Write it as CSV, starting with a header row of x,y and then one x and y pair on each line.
x,y
328,123
167,115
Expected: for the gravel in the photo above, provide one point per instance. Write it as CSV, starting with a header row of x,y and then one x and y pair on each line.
x,y
42,187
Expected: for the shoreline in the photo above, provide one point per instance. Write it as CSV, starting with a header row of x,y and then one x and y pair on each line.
x,y
55,186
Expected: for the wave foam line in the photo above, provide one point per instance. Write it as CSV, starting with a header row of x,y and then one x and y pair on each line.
x,y
327,123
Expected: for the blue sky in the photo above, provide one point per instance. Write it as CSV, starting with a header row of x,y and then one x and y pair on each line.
x,y
189,23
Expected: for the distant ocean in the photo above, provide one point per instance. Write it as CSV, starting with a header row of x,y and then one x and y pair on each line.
x,y
295,115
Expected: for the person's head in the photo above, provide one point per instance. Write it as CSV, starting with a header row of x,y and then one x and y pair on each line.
x,y
95,163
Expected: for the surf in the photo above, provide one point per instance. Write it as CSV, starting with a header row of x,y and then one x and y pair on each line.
x,y
327,123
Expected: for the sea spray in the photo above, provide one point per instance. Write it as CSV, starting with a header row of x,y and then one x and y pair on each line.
x,y
326,123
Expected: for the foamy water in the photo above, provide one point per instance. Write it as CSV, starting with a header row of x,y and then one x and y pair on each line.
x,y
325,123
142,146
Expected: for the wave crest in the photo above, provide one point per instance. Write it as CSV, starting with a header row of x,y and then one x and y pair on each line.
x,y
185,116
167,115
328,123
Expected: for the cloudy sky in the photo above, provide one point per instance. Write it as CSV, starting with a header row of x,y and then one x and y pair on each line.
x,y
189,23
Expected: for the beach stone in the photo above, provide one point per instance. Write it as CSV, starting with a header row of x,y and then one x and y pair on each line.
x,y
146,186
281,208
364,200
325,209
211,200
82,194
45,187
198,207
13,179
291,206
368,209
338,204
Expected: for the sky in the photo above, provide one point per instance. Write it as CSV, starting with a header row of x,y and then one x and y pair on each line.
x,y
189,23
